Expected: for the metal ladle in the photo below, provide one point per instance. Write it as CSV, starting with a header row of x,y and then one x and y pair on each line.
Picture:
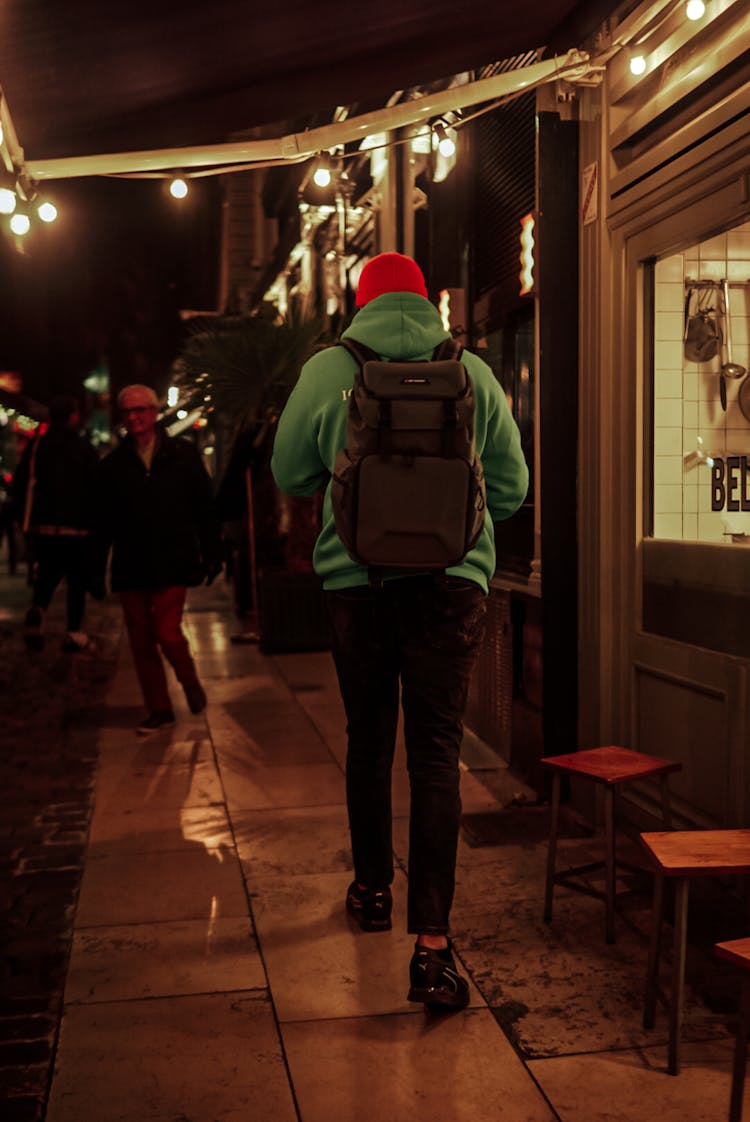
x,y
728,369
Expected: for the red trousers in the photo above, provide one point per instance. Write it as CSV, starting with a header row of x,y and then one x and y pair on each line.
x,y
154,623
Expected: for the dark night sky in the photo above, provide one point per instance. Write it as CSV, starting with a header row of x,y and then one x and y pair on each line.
x,y
106,281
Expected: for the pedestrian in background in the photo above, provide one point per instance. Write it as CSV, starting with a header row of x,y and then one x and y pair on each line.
x,y
157,513
54,491
416,631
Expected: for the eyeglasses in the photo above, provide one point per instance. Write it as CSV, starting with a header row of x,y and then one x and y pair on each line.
x,y
139,409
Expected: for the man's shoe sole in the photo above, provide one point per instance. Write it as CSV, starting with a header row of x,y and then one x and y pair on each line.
x,y
438,999
368,924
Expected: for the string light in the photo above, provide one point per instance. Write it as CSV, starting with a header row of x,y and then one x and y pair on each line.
x,y
322,173
695,9
178,188
20,224
8,200
637,65
446,146
47,211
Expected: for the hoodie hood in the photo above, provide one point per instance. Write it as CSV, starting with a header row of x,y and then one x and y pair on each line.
x,y
400,325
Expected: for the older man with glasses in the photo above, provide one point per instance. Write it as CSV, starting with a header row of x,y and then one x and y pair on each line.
x,y
157,513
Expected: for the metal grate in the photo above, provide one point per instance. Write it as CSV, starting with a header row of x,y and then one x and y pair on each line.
x,y
505,192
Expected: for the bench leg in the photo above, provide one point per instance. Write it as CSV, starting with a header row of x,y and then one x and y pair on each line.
x,y
740,1055
654,948
677,996
609,862
552,849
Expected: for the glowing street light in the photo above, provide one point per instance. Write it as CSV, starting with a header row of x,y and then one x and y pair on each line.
x,y
47,212
178,188
8,200
322,173
20,224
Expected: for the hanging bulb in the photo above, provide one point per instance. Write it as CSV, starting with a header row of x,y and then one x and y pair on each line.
x,y
637,65
47,211
20,224
322,173
178,188
445,144
695,9
8,200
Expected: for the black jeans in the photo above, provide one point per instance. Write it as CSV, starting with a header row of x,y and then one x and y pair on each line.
x,y
423,631
58,557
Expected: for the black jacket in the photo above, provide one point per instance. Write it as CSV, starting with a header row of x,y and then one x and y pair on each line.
x,y
65,469
162,524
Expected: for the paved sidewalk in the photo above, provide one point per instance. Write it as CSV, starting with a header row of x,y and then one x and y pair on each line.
x,y
48,759
214,976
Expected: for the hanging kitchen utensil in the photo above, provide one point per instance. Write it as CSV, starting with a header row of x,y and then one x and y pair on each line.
x,y
728,369
702,334
743,399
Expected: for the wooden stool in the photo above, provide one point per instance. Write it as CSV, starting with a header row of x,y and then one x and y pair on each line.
x,y
738,952
610,767
683,854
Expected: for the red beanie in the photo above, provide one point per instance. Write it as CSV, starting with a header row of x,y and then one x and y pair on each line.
x,y
389,272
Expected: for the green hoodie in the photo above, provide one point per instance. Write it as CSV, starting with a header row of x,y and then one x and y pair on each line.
x,y
312,429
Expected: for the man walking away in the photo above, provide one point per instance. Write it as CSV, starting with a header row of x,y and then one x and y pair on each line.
x,y
414,630
54,492
156,511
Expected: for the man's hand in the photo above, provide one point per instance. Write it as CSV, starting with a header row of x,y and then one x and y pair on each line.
x,y
212,571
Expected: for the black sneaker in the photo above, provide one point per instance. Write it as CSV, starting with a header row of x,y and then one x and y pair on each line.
x,y
159,719
196,698
371,908
435,980
33,635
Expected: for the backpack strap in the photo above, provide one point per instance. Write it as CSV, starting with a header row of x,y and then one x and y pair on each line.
x,y
359,352
448,349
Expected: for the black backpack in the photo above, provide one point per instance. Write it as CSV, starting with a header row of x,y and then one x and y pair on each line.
x,y
408,488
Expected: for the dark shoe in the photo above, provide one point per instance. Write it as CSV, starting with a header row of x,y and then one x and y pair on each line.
x,y
33,624
435,980
159,719
196,698
370,908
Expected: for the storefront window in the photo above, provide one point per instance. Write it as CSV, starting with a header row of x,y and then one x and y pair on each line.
x,y
701,392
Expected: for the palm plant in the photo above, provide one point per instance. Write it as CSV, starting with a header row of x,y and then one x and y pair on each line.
x,y
245,365
243,369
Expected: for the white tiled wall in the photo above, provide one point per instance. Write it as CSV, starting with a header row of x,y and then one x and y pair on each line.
x,y
688,417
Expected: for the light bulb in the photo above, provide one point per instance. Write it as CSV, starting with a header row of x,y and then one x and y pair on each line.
x,y
446,146
8,201
695,9
637,65
178,188
20,224
322,176
47,212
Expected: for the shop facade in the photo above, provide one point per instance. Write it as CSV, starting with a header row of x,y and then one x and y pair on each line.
x,y
664,505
